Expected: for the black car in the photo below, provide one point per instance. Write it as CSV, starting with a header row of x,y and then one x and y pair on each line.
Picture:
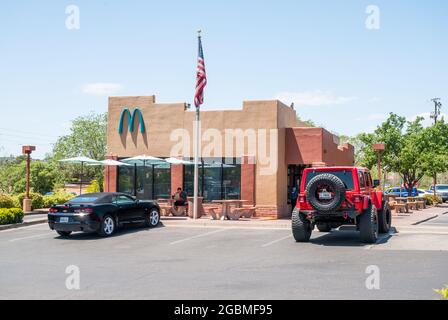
x,y
102,213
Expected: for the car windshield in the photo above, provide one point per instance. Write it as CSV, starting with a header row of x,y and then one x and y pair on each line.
x,y
442,188
82,199
345,176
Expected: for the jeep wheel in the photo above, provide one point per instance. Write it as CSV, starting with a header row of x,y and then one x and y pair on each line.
x,y
301,228
385,218
368,225
326,192
324,227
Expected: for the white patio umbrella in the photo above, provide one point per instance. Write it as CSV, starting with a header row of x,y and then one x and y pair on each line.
x,y
109,163
143,159
81,161
178,161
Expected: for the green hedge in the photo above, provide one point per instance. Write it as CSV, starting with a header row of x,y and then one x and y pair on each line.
x,y
432,200
7,201
57,198
10,216
37,200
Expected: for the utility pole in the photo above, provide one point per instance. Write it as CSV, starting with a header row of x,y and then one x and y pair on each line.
x,y
437,109
435,115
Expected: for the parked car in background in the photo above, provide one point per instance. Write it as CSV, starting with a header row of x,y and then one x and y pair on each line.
x,y
102,213
441,191
401,192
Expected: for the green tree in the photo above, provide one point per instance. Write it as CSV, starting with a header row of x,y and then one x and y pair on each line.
x,y
308,122
411,150
87,138
13,173
435,156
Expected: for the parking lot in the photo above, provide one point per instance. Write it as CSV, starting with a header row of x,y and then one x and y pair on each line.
x,y
184,262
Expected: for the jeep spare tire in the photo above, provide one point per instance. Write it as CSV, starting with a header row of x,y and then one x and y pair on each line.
x,y
325,192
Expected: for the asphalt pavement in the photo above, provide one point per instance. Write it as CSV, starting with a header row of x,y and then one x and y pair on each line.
x,y
194,262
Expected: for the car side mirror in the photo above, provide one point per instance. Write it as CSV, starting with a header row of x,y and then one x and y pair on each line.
x,y
376,183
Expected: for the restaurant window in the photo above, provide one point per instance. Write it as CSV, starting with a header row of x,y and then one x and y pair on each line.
x,y
218,179
149,182
126,179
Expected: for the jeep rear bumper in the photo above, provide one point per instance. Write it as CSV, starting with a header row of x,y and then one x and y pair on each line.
x,y
346,216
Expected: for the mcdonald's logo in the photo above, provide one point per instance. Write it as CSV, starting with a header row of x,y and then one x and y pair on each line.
x,y
131,120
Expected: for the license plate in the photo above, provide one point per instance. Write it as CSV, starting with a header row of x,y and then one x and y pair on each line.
x,y
325,195
63,219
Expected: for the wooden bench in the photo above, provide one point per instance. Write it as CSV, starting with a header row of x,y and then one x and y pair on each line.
x,y
401,208
245,212
211,211
421,204
165,208
413,205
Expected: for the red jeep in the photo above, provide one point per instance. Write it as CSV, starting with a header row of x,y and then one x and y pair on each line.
x,y
334,196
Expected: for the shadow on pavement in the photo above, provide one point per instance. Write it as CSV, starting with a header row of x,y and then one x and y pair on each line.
x,y
131,229
347,237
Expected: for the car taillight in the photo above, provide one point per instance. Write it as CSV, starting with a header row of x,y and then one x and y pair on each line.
x,y
53,210
302,199
357,199
84,210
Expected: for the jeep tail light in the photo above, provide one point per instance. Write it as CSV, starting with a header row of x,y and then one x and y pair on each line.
x,y
357,199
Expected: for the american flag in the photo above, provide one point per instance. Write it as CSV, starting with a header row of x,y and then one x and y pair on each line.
x,y
201,78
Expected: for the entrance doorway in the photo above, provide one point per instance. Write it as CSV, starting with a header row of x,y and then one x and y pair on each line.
x,y
294,178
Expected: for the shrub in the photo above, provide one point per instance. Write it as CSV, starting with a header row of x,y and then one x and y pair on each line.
x,y
10,216
6,201
94,187
57,198
37,200
443,292
432,200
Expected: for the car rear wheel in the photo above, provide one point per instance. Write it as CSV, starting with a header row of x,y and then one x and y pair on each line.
x,y
152,218
301,228
368,225
107,226
324,227
385,218
64,234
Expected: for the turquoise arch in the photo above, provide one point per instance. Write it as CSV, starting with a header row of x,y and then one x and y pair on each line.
x,y
131,120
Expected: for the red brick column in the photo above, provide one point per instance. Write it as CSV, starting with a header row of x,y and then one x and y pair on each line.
x,y
177,177
248,171
110,176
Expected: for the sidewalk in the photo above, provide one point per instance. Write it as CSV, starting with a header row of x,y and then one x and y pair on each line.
x,y
417,217
404,221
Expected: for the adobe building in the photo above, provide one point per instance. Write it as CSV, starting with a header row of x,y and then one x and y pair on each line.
x,y
256,153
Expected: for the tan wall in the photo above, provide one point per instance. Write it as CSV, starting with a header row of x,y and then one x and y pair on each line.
x,y
295,146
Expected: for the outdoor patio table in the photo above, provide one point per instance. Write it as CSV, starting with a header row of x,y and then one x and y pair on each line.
x,y
226,206
401,200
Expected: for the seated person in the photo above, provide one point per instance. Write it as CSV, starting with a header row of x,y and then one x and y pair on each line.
x,y
180,198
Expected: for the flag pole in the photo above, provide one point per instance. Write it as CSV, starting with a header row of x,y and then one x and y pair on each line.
x,y
196,157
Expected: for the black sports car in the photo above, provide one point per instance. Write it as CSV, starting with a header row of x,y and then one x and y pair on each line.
x,y
102,213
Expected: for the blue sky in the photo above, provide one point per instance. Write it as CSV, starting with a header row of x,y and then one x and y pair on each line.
x,y
318,54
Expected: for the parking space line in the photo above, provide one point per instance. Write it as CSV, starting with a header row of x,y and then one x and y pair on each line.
x,y
35,226
31,237
276,241
198,236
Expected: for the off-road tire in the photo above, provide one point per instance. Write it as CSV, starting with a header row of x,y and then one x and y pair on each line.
x,y
301,228
323,227
384,218
336,184
368,225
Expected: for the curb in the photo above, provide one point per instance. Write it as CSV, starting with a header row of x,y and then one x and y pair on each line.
x,y
21,225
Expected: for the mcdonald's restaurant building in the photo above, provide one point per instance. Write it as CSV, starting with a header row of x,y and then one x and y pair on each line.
x,y
256,153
